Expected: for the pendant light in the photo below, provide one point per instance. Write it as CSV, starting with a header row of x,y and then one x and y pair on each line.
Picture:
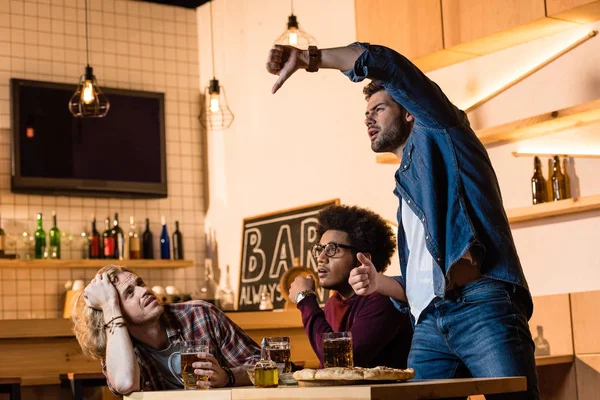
x,y
216,113
88,101
293,35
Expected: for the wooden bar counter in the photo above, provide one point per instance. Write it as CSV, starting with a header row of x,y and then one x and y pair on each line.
x,y
431,389
39,350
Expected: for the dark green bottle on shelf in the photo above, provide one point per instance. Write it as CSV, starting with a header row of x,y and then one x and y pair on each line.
x,y
54,234
40,238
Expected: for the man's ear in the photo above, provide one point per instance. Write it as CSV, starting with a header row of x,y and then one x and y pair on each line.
x,y
408,117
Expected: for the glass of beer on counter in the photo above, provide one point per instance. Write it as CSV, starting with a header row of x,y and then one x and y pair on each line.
x,y
190,350
279,347
337,349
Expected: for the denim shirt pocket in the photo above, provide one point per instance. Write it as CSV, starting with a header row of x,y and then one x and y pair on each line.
x,y
411,162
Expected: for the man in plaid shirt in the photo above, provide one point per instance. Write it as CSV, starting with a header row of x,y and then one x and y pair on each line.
x,y
121,322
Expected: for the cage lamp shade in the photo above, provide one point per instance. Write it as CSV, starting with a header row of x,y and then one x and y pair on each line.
x,y
88,101
216,113
294,36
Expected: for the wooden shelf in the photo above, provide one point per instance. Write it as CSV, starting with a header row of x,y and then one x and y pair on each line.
x,y
94,263
528,128
553,360
553,209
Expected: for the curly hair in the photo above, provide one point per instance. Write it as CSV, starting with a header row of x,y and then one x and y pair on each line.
x,y
366,230
89,322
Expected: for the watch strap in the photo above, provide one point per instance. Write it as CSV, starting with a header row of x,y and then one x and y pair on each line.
x,y
314,56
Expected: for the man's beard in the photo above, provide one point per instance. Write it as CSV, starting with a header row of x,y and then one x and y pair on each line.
x,y
390,139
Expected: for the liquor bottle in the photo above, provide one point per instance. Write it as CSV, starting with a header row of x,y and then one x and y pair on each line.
x,y
538,183
567,178
225,294
40,238
558,181
165,245
177,243
54,234
135,252
119,238
108,240
549,181
2,239
208,289
147,244
95,248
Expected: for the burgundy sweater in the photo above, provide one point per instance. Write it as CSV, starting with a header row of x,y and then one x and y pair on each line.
x,y
381,334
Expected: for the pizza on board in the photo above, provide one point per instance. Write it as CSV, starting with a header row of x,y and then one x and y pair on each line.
x,y
354,374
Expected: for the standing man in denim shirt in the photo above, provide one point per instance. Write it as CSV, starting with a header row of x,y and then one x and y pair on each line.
x,y
461,275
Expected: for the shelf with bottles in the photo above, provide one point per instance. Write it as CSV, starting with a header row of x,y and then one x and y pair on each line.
x,y
7,263
553,209
528,128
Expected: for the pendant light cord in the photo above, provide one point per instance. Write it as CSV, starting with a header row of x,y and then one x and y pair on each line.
x,y
292,5
212,39
87,51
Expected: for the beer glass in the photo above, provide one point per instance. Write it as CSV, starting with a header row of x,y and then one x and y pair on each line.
x,y
279,347
190,349
337,349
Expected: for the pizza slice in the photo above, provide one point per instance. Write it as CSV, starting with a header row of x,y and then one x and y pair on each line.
x,y
388,374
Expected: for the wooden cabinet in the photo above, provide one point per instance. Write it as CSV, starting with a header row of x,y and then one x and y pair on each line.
x,y
482,27
582,11
416,32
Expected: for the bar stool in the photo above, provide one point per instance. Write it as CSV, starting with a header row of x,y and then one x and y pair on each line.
x,y
12,386
78,381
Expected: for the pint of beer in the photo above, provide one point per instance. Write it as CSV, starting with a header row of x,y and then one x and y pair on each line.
x,y
280,353
190,350
337,349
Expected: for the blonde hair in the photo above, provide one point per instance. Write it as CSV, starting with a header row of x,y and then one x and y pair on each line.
x,y
89,322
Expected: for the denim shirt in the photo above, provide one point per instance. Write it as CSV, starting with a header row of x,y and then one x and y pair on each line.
x,y
445,176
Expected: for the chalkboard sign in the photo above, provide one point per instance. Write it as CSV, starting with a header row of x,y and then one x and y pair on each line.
x,y
269,245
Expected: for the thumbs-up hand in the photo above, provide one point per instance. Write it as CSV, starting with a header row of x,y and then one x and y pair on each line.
x,y
365,277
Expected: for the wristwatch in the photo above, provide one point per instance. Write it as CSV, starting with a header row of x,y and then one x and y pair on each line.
x,y
300,296
314,55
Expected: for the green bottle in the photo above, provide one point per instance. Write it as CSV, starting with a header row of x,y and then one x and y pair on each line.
x,y
55,236
40,238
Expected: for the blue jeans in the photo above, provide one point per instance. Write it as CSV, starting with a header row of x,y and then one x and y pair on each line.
x,y
483,332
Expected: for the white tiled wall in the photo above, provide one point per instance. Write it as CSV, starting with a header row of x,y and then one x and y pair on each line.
x,y
133,45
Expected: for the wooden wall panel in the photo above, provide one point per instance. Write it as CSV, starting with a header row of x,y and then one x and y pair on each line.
x,y
588,376
581,11
482,27
585,322
553,315
412,31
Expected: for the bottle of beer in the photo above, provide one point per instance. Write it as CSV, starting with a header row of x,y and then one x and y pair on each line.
x,y
538,183
119,237
95,248
108,240
567,178
2,239
177,243
549,181
40,238
147,244
165,245
54,234
134,241
558,180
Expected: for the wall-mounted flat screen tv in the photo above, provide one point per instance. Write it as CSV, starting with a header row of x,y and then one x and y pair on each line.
x,y
120,155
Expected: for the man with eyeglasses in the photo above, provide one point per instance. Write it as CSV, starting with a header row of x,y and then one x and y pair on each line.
x,y
461,275
350,237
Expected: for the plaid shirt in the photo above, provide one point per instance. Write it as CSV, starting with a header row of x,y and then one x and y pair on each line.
x,y
195,320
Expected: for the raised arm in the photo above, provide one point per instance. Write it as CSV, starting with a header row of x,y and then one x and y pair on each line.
x,y
120,365
407,85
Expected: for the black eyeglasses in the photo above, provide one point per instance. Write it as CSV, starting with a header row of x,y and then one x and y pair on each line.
x,y
330,249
